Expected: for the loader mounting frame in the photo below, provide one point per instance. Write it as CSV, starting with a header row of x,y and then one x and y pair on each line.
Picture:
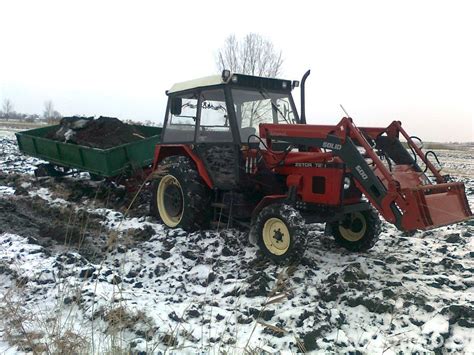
x,y
416,206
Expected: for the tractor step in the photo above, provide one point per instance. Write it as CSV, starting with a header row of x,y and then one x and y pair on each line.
x,y
219,205
221,215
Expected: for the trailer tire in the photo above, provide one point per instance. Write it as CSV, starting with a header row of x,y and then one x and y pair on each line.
x,y
180,198
280,232
359,232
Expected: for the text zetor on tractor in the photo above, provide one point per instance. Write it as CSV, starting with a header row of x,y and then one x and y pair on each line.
x,y
235,151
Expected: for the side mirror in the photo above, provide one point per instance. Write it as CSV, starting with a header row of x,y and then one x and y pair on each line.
x,y
176,104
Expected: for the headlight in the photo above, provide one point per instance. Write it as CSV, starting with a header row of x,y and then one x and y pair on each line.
x,y
347,182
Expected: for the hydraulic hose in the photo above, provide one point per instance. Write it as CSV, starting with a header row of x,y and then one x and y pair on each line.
x,y
435,156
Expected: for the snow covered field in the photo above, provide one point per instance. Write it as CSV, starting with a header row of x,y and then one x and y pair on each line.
x,y
76,275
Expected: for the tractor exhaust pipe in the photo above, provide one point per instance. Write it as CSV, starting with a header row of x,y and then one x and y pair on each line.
x,y
303,110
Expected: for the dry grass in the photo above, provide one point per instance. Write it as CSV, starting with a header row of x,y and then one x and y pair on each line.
x,y
278,294
120,318
58,330
21,329
54,331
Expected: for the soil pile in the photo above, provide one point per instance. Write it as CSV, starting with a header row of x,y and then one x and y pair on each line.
x,y
102,133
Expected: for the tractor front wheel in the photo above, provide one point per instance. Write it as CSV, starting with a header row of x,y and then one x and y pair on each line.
x,y
280,232
180,198
358,231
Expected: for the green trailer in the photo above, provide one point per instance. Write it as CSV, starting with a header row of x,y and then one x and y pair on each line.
x,y
121,160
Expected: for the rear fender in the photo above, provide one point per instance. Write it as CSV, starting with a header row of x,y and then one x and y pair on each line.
x,y
163,151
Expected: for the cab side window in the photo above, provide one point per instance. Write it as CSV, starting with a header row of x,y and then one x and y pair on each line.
x,y
181,122
214,125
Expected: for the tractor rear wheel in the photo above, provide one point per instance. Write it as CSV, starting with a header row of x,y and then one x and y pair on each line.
x,y
358,231
180,199
280,232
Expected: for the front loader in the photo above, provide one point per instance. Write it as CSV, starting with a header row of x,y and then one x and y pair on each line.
x,y
234,152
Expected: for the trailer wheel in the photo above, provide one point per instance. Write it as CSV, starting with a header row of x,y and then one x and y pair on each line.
x,y
358,231
280,232
180,197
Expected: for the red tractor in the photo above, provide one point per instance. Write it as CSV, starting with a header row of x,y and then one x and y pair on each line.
x,y
234,151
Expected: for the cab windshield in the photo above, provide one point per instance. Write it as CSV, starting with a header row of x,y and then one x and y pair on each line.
x,y
253,107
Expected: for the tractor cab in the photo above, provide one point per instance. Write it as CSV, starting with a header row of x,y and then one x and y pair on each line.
x,y
220,115
226,108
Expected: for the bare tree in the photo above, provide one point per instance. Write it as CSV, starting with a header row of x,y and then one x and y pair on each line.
x,y
253,55
48,109
7,108
49,113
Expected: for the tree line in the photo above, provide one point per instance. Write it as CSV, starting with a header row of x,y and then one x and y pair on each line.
x,y
49,114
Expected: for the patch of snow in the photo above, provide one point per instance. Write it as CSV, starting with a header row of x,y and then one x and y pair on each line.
x,y
45,194
6,190
437,324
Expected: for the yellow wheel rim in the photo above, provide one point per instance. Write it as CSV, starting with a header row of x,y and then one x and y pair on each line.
x,y
357,229
170,218
276,236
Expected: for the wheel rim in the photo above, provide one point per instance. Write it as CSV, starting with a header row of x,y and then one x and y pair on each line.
x,y
276,236
170,200
356,229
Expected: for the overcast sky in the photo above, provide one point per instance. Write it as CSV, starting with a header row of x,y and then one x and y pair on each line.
x,y
383,60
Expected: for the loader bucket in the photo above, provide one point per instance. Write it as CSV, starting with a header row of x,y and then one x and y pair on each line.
x,y
426,205
431,206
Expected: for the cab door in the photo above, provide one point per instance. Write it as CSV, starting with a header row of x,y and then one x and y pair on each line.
x,y
216,141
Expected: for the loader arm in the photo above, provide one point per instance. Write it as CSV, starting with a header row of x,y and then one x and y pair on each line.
x,y
404,195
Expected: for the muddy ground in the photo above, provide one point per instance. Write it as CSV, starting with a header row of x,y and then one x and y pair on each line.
x,y
55,225
65,244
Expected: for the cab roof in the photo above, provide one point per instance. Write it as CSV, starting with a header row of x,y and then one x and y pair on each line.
x,y
197,83
234,80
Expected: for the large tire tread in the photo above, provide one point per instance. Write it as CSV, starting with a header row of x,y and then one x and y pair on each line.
x,y
374,228
196,214
295,224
